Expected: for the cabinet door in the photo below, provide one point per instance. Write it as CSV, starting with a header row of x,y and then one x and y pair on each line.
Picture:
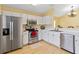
x,y
24,19
47,20
56,39
25,38
46,36
51,37
77,44
39,20
43,34
39,35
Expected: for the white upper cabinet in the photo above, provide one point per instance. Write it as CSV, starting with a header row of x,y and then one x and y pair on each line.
x,y
24,19
47,20
32,17
39,20
29,17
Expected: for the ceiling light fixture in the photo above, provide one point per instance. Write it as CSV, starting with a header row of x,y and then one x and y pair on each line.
x,y
72,13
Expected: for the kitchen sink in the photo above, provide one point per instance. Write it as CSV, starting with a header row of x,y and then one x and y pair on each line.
x,y
56,30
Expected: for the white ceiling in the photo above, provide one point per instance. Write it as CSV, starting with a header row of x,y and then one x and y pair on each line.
x,y
59,9
38,8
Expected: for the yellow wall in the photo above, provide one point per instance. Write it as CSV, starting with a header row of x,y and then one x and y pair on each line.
x,y
50,13
66,21
57,20
0,8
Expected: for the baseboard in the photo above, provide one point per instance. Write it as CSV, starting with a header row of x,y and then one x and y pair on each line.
x,y
11,50
34,42
67,50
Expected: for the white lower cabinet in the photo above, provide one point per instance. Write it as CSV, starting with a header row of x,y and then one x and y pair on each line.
x,y
25,38
43,34
56,39
39,35
51,37
46,36
77,44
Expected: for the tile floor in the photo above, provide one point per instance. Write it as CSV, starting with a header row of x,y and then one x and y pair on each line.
x,y
39,48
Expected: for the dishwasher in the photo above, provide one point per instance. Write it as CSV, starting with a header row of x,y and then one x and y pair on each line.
x,y
67,42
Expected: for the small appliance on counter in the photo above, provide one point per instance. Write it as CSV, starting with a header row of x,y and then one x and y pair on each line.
x,y
42,27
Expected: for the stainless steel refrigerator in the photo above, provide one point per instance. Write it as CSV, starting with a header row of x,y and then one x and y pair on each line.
x,y
11,35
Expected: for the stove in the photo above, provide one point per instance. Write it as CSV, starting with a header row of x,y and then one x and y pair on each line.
x,y
32,36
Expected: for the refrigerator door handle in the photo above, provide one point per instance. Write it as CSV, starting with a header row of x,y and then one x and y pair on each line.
x,y
12,30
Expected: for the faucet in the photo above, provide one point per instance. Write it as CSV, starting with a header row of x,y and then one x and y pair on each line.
x,y
56,29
